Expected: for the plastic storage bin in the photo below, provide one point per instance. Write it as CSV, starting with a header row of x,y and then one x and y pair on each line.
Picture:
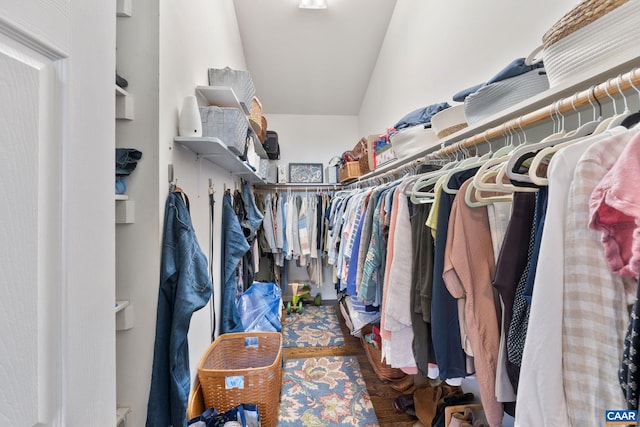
x,y
227,124
238,80
243,368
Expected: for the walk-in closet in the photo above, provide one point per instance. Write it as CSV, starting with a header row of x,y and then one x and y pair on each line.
x,y
326,213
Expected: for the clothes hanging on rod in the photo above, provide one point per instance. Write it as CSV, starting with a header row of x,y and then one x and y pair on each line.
x,y
294,230
185,287
241,220
540,324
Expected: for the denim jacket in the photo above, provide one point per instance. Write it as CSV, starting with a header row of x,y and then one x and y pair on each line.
x,y
185,287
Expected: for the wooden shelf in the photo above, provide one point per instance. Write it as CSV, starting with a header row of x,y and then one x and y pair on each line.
x,y
214,150
223,96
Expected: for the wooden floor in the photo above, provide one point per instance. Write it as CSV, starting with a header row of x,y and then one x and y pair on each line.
x,y
382,395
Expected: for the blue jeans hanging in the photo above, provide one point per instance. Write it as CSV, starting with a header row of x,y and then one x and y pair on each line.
x,y
234,246
185,287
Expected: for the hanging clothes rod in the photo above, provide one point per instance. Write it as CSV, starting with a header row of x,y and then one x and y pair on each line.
x,y
299,187
393,173
611,87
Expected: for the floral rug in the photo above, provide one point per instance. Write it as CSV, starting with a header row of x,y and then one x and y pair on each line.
x,y
325,391
314,327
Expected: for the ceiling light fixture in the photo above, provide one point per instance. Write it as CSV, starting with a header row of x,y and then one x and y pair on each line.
x,y
312,4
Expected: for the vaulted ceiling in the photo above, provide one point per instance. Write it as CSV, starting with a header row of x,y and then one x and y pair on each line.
x,y
312,62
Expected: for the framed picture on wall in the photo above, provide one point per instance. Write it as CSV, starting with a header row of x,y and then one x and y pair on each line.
x,y
306,172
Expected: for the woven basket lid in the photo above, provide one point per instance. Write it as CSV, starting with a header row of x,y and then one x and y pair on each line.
x,y
583,14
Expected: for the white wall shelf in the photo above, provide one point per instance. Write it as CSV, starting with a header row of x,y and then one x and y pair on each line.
x,y
221,96
120,305
124,315
216,152
224,96
122,197
124,8
125,211
124,104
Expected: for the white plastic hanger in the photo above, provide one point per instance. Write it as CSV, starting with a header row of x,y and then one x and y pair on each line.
x,y
527,150
474,198
427,180
583,130
483,178
466,164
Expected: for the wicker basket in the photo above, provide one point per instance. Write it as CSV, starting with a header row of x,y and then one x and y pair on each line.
x,y
348,172
383,371
243,368
364,165
255,118
195,406
583,14
451,130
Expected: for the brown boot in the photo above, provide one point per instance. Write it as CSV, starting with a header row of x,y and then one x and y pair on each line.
x,y
425,401
450,390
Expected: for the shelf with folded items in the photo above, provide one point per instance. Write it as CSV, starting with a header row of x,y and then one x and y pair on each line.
x,y
223,96
215,151
542,102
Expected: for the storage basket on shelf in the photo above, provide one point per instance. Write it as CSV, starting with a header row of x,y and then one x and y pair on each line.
x,y
228,124
383,371
348,172
591,38
243,368
364,165
255,119
238,80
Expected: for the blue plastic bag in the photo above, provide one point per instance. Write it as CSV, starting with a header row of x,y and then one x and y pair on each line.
x,y
260,308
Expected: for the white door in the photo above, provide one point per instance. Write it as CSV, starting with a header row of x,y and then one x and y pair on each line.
x,y
34,45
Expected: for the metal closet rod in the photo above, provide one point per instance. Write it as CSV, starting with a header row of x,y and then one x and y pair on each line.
x,y
612,86
298,187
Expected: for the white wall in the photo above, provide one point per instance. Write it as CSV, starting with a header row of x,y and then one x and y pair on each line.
x,y
194,39
434,49
164,51
313,139
88,176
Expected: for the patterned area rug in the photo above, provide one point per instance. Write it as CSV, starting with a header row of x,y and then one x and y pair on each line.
x,y
314,327
325,391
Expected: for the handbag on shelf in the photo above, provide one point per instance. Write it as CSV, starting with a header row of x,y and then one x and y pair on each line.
x,y
271,145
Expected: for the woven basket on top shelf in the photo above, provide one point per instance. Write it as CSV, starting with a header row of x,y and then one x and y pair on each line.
x,y
242,368
383,371
592,38
255,118
583,14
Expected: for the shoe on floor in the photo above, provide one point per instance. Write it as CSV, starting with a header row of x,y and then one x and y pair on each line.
x,y
402,403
